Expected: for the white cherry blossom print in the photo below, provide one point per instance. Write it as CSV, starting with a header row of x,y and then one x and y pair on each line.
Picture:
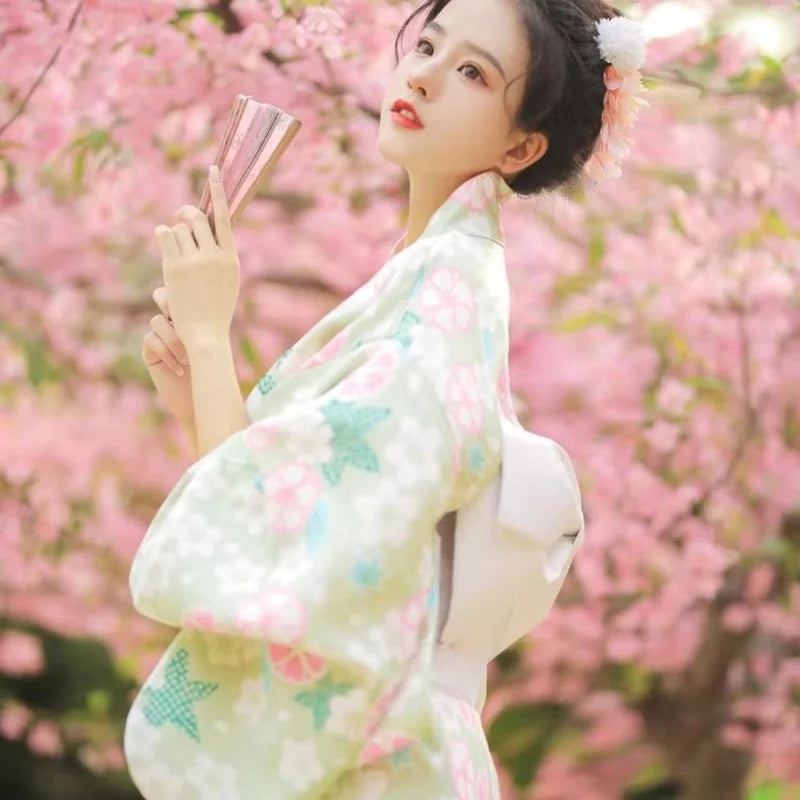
x,y
240,576
394,506
252,701
464,397
431,348
347,714
201,539
141,739
300,765
462,770
446,300
370,648
291,493
283,432
412,458
163,568
155,779
278,615
212,779
371,784
369,379
443,704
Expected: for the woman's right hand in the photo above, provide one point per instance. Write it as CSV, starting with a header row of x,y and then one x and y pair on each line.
x,y
163,354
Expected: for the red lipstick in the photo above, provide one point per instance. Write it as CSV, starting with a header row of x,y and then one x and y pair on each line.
x,y
403,119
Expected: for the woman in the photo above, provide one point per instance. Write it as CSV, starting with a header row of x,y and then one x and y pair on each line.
x,y
298,556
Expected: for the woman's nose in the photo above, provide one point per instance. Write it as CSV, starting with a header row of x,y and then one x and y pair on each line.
x,y
419,81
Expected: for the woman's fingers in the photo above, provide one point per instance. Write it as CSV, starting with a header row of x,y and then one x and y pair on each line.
x,y
154,351
186,241
166,333
160,299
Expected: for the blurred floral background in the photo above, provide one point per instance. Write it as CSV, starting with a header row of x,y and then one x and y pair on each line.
x,y
655,334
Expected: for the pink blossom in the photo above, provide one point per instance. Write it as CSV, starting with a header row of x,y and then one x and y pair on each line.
x,y
327,351
278,614
663,436
20,653
199,619
371,378
446,299
14,719
291,492
464,397
44,738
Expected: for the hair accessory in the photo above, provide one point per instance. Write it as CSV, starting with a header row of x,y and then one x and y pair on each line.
x,y
622,44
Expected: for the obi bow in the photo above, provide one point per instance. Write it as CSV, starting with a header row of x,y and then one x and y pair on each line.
x,y
506,554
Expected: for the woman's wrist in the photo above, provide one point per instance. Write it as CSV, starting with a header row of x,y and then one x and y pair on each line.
x,y
191,432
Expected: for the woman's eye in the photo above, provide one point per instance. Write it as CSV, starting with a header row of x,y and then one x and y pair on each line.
x,y
477,71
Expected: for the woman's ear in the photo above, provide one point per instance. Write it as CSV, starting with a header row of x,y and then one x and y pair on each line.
x,y
527,152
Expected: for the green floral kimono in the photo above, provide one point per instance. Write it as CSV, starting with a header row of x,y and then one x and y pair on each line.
x,y
299,558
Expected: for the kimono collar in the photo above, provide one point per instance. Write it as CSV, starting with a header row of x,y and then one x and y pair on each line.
x,y
472,207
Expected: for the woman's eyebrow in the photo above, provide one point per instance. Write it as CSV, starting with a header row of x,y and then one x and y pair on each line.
x,y
472,46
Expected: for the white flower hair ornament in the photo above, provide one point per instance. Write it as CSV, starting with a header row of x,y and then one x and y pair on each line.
x,y
622,44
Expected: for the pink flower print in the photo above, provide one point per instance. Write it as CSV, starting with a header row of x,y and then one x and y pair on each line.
x,y
462,770
397,245
379,708
260,436
291,493
327,352
446,300
411,619
464,397
199,619
384,744
296,665
455,459
483,790
466,712
278,615
504,392
477,192
371,378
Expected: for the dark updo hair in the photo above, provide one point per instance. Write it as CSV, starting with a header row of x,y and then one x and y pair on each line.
x,y
564,89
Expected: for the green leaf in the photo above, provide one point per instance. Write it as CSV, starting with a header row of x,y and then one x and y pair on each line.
x,y
520,736
98,702
580,321
248,350
597,248
772,790
712,387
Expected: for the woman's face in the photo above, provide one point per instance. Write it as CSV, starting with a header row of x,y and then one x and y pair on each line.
x,y
458,91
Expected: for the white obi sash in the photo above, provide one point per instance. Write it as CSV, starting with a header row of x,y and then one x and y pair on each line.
x,y
504,558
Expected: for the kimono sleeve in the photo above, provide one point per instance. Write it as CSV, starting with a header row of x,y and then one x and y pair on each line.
x,y
314,529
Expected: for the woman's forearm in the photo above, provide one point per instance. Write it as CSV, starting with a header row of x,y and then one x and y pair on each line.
x,y
191,434
219,409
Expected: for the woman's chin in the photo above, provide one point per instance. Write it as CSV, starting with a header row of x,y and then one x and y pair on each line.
x,y
390,151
